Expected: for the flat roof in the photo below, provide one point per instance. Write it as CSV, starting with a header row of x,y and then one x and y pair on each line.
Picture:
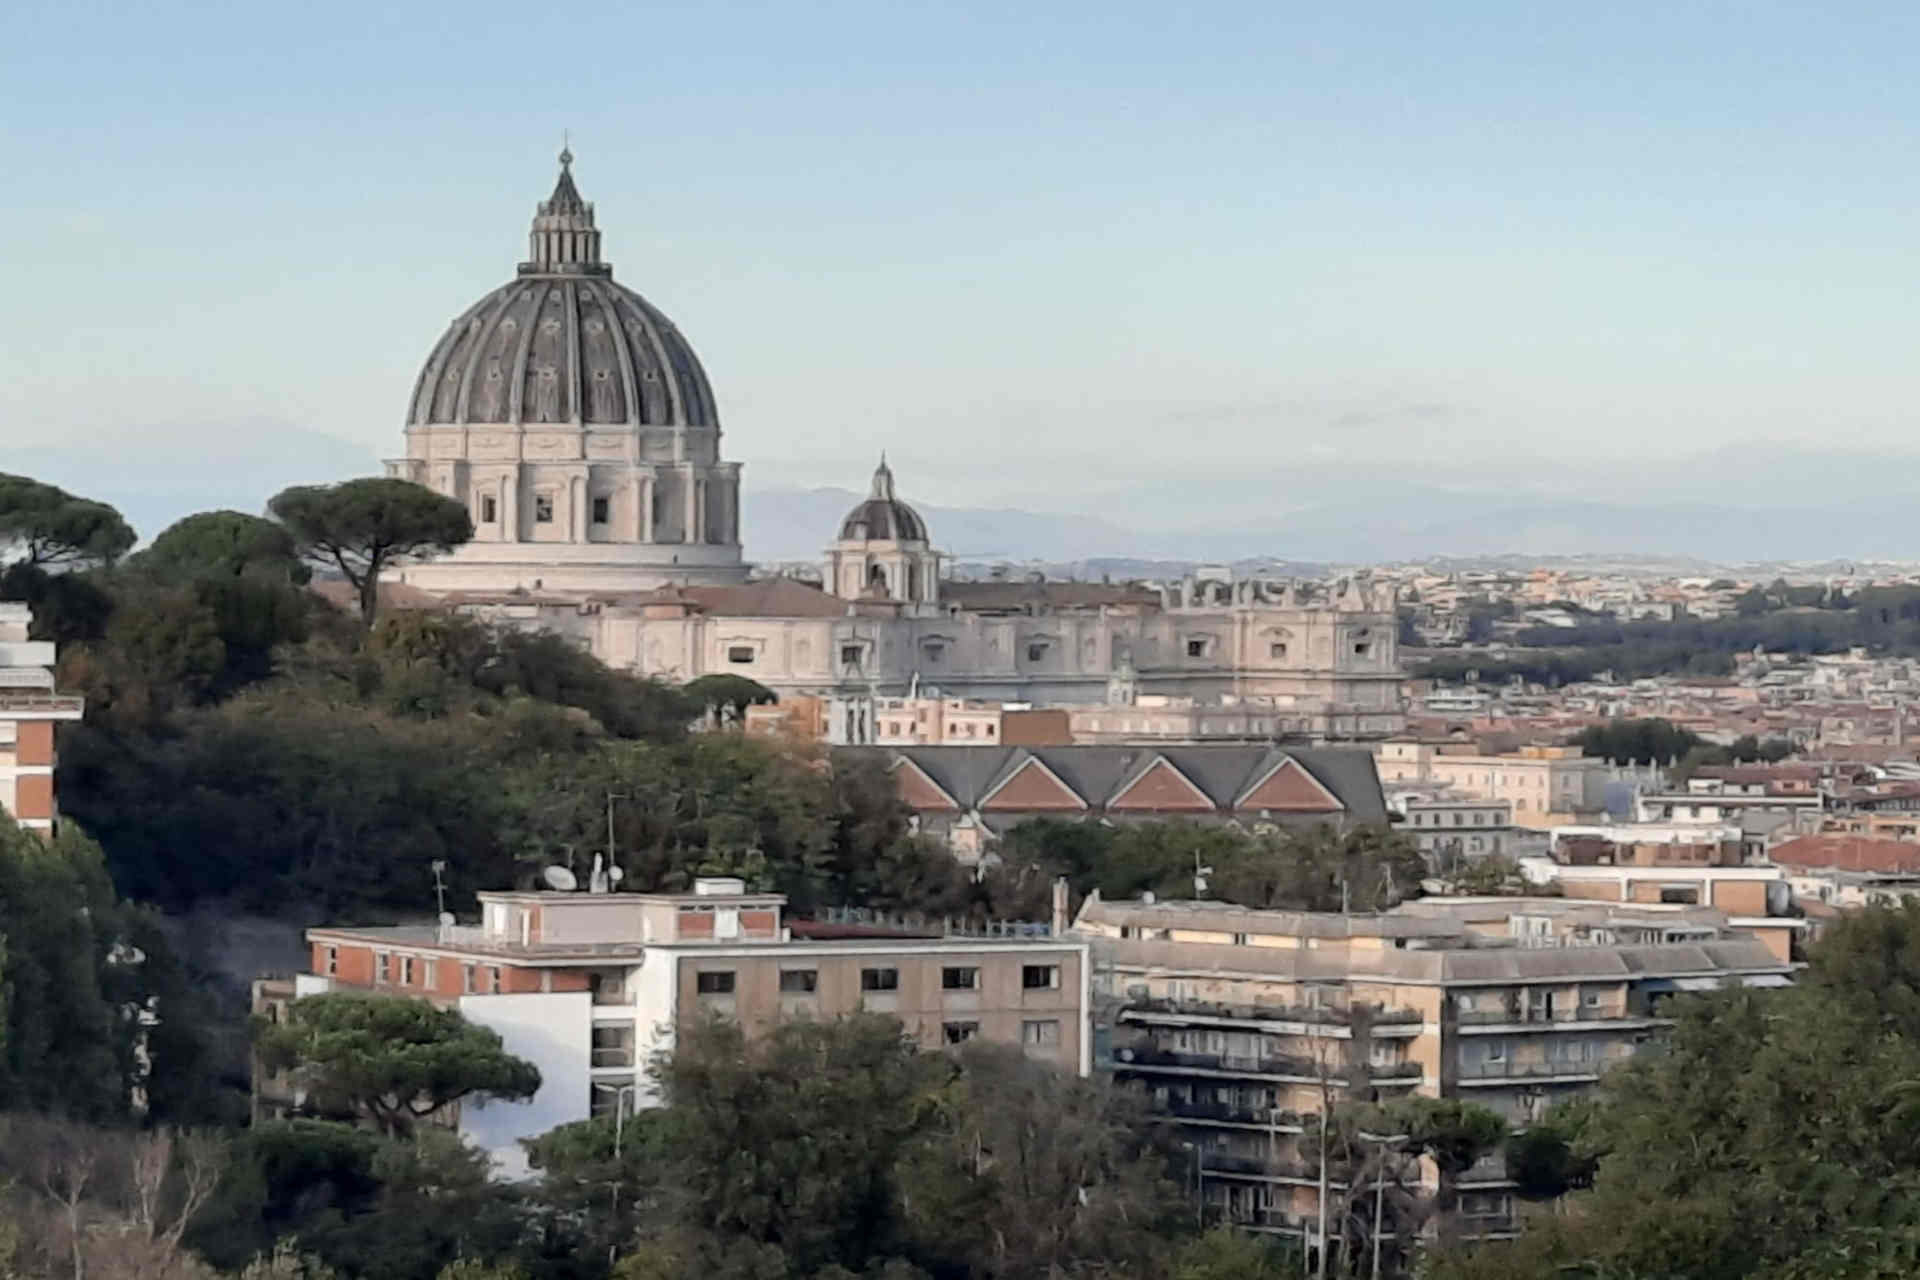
x,y
551,954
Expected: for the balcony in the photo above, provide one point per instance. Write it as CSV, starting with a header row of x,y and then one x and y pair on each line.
x,y
1226,1113
1264,1167
1153,1058
1479,1021
1213,1011
612,1056
1472,1073
1410,1072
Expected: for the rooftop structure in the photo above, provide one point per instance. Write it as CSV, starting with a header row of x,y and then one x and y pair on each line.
x,y
588,986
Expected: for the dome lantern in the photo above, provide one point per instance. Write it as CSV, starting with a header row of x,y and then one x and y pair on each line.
x,y
564,240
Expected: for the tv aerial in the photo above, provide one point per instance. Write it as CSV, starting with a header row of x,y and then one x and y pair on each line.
x,y
560,879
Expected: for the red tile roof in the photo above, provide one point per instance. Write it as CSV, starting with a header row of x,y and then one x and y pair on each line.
x,y
1848,853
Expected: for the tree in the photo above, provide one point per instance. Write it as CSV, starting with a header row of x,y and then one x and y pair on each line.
x,y
396,1059
223,544
364,527
1451,1133
42,525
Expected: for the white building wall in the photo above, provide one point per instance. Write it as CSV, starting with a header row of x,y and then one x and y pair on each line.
x,y
553,1031
656,999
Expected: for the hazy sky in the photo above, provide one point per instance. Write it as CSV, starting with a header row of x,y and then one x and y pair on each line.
x,y
1025,248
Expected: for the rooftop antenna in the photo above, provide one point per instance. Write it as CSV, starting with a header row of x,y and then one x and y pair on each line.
x,y
614,874
440,888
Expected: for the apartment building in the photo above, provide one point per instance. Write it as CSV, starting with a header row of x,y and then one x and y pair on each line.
x,y
1448,828
1245,1025
30,710
1543,786
589,986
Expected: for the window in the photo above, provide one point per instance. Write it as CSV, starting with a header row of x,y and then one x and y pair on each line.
x,y
493,979
543,508
1278,649
714,982
489,509
1043,977
406,971
1042,1034
330,962
849,655
382,967
1496,1051
1362,648
879,979
799,981
740,653
468,979
934,653
1196,648
429,972
1036,651
956,979
1239,939
601,510
959,1032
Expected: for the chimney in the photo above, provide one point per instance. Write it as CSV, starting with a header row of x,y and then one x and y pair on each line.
x,y
1060,919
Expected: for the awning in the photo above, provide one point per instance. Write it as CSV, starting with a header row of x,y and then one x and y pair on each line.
x,y
1697,984
1768,980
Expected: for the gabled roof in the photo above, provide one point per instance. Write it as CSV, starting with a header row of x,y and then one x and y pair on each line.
x,y
1031,786
1100,776
918,790
1158,787
1287,787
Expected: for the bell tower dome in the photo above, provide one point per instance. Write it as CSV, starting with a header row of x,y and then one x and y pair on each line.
x,y
883,550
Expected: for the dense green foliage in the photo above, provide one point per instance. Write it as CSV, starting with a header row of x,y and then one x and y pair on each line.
x,y
1656,741
1774,1136
1313,869
78,969
43,525
361,528
395,1059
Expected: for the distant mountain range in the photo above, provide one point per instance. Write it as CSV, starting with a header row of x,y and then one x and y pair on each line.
x,y
1757,504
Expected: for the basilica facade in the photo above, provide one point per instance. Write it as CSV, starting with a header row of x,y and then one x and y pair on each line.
x,y
577,426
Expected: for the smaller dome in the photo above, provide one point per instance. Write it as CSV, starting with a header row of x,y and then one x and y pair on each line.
x,y
883,517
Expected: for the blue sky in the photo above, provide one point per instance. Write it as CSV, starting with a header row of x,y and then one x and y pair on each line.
x,y
1048,255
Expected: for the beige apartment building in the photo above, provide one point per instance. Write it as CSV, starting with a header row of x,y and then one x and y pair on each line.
x,y
589,986
1244,1025
1545,786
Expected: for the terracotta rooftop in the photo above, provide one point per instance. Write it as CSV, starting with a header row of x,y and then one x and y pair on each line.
x,y
1848,853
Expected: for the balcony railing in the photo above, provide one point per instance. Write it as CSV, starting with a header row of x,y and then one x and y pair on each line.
x,y
613,1055
1530,1070
1317,1015
1519,1017
1397,1071
1232,1114
1262,1167
1150,1056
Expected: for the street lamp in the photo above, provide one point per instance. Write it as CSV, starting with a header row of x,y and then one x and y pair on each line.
x,y
621,1094
1385,1141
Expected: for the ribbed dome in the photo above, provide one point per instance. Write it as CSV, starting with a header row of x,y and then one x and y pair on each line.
x,y
883,517
563,343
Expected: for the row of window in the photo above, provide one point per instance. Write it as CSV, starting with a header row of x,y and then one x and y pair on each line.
x,y
542,509
1480,819
402,969
1033,977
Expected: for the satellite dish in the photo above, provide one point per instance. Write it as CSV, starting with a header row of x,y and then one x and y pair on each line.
x,y
616,875
446,917
560,878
